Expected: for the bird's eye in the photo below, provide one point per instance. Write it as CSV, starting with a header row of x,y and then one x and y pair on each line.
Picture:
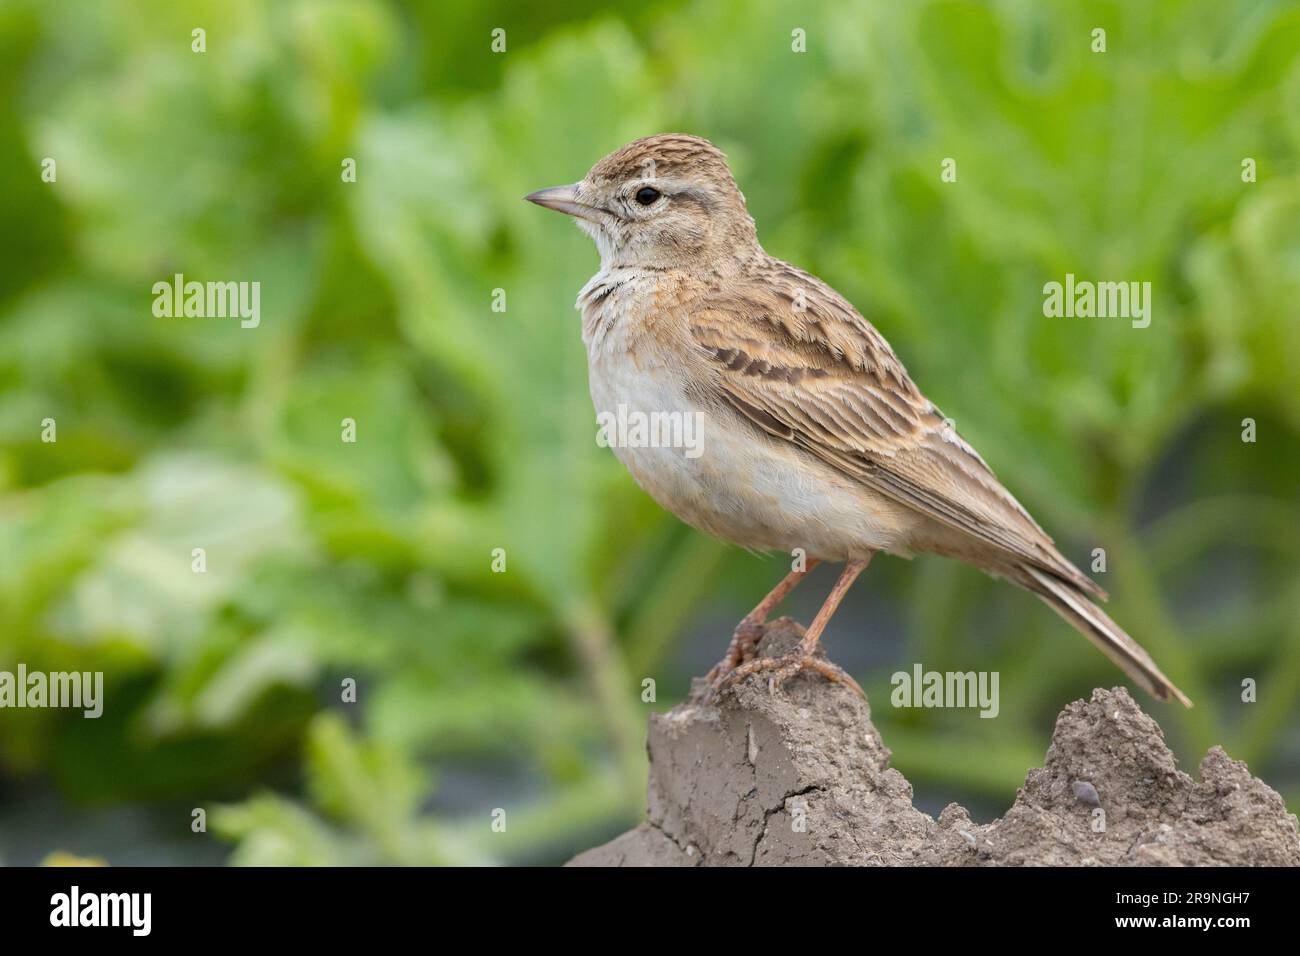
x,y
646,195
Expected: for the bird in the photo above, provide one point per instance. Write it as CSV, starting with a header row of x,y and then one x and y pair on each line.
x,y
813,439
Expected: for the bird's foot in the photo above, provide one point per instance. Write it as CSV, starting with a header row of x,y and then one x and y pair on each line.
x,y
744,641
781,669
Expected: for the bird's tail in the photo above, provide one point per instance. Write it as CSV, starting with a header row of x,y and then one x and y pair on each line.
x,y
1094,624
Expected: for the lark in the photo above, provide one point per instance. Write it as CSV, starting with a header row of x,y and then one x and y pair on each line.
x,y
815,440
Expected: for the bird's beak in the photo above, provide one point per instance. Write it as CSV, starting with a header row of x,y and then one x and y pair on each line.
x,y
565,199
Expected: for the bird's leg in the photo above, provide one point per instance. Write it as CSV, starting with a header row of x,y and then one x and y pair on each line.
x,y
802,657
750,628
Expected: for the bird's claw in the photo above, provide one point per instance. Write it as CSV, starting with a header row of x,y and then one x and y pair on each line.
x,y
744,640
783,668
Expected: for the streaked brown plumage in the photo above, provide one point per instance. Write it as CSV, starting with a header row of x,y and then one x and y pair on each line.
x,y
818,439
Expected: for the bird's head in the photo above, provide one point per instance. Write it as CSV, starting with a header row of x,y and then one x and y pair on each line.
x,y
662,202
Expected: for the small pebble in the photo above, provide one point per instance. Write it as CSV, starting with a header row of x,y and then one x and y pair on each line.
x,y
1086,793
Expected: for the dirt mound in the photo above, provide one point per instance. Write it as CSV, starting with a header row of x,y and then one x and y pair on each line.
x,y
801,778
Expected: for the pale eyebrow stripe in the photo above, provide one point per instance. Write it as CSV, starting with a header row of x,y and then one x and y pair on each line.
x,y
695,195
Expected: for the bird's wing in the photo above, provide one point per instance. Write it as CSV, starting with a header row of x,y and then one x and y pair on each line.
x,y
796,359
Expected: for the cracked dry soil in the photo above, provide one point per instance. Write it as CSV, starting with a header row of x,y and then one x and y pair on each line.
x,y
802,778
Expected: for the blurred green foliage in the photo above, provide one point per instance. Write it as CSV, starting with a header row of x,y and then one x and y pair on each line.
x,y
373,561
